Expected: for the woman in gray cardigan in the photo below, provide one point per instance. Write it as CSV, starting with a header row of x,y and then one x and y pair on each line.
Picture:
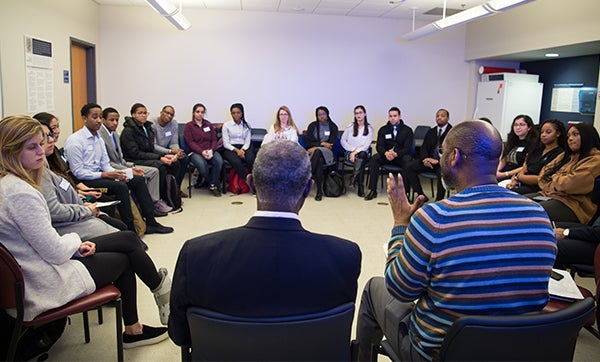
x,y
58,269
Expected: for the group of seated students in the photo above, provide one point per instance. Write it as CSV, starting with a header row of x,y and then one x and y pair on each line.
x,y
51,225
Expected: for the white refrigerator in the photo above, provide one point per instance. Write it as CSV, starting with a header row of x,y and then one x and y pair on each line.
x,y
502,96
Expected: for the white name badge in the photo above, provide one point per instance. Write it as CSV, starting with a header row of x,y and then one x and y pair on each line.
x,y
327,133
64,184
520,149
388,136
206,129
168,133
90,147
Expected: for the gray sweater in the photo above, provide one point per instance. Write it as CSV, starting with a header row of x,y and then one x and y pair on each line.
x,y
67,211
51,277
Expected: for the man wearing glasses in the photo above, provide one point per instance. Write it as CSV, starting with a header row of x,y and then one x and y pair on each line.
x,y
483,251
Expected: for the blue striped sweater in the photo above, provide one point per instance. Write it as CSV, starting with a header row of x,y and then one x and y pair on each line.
x,y
485,250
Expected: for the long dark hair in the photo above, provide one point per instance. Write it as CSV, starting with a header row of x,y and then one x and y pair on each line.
x,y
241,108
559,127
355,123
56,164
589,141
512,139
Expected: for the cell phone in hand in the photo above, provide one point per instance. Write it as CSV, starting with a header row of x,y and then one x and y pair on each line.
x,y
556,276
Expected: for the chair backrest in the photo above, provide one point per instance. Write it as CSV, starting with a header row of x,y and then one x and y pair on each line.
x,y
530,337
323,336
419,134
182,142
11,280
258,131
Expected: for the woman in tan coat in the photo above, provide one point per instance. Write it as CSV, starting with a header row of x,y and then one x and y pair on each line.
x,y
568,180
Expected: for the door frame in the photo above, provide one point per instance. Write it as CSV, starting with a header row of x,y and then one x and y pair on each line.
x,y
90,55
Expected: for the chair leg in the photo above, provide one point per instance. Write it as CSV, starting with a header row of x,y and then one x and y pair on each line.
x,y
100,317
14,340
119,323
86,327
432,193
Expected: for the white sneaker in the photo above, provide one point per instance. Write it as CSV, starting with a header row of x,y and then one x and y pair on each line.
x,y
162,206
162,296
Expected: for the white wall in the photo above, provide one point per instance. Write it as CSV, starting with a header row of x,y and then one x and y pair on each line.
x,y
52,20
265,60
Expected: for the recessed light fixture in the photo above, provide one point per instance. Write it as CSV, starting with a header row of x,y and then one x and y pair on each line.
x,y
551,55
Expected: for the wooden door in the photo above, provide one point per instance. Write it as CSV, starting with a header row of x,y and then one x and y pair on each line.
x,y
79,85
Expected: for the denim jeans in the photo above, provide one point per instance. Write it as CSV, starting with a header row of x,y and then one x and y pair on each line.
x,y
209,169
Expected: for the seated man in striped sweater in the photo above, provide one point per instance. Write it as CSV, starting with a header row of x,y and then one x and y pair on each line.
x,y
485,250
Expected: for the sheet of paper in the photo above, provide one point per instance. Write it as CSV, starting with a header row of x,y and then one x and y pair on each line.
x,y
564,288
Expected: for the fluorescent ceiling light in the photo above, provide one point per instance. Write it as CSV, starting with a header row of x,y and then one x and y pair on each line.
x,y
171,13
462,17
476,12
421,32
551,55
501,5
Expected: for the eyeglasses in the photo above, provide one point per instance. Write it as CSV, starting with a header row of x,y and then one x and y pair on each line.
x,y
441,151
359,113
520,125
49,136
169,113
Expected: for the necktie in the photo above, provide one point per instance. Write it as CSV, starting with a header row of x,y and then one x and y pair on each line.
x,y
395,131
115,142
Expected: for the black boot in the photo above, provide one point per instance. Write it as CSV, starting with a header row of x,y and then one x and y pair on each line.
x,y
358,174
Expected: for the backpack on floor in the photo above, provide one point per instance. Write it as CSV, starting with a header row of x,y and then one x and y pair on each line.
x,y
333,185
235,184
35,342
173,193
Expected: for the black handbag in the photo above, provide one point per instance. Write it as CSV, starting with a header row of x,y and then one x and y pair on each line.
x,y
333,185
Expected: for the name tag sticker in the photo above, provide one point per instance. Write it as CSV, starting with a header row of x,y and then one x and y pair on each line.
x,y
520,149
64,184
206,129
90,147
168,133
388,136
327,133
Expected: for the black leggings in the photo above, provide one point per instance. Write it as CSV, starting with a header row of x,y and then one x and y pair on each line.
x,y
317,160
119,257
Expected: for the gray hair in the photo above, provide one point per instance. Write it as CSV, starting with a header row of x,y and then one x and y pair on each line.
x,y
281,172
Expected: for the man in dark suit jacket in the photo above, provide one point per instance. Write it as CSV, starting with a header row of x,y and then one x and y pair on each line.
x,y
271,266
394,146
429,160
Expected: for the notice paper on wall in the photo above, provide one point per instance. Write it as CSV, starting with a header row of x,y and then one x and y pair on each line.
x,y
38,71
573,98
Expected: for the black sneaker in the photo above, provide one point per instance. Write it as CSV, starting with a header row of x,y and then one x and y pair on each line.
x,y
150,335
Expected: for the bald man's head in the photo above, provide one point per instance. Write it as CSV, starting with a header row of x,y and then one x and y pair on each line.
x,y
472,151
477,138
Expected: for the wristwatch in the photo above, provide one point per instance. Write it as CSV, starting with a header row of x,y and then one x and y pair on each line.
x,y
566,232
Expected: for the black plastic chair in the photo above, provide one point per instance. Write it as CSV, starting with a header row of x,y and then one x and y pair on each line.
x,y
323,336
527,337
531,337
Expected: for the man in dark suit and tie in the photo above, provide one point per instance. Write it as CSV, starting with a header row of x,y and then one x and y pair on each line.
x,y
429,160
108,133
271,266
394,147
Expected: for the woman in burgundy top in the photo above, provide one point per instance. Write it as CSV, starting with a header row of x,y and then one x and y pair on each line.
x,y
201,138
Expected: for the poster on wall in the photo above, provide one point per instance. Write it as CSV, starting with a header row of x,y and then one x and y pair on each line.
x,y
573,98
38,72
